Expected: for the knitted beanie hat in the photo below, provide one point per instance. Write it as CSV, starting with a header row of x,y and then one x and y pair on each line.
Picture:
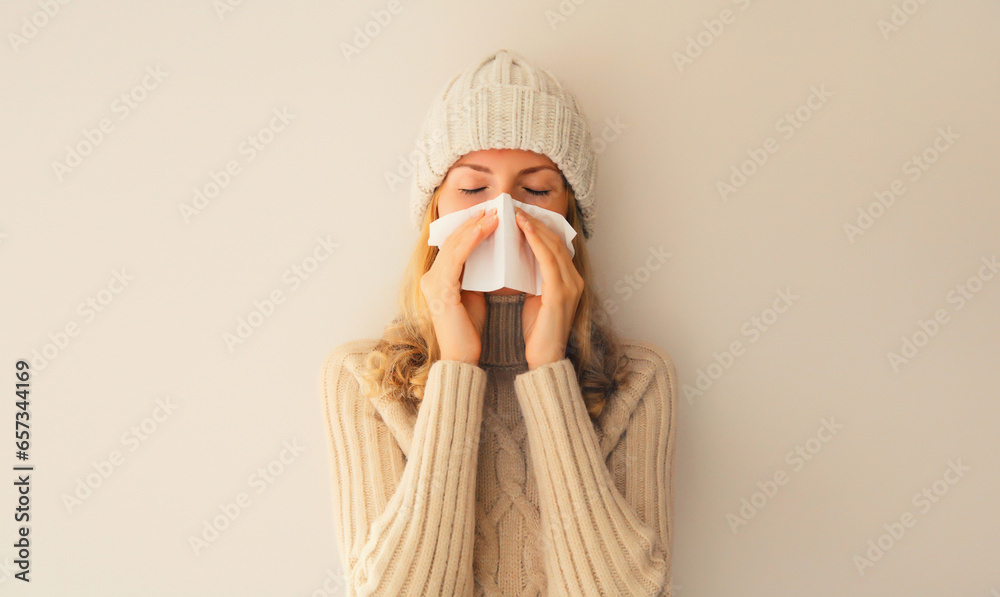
x,y
502,102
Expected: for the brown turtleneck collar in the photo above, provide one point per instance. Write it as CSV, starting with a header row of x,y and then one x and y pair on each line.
x,y
503,341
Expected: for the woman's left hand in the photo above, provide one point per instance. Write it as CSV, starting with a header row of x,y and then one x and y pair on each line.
x,y
547,319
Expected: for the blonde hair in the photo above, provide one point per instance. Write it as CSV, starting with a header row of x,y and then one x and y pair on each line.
x,y
399,363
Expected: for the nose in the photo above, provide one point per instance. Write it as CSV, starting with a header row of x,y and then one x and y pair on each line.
x,y
506,184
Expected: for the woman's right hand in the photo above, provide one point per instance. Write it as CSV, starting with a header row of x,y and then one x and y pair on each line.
x,y
458,315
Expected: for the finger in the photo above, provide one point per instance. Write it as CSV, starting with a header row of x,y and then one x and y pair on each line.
x,y
553,240
456,234
460,243
533,227
552,266
554,246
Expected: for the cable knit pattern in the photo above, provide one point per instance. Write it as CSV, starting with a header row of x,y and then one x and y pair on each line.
x,y
501,484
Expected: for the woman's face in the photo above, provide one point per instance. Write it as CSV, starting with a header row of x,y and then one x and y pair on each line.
x,y
479,176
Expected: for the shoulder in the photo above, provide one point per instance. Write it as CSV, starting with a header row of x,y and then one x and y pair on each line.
x,y
647,396
347,355
640,350
342,366
350,412
646,357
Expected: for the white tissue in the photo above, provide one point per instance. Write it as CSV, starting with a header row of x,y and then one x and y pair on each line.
x,y
504,258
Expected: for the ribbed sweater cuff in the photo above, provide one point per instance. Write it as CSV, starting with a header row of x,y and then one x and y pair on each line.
x,y
455,391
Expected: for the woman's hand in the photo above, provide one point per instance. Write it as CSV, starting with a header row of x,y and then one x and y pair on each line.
x,y
458,315
547,319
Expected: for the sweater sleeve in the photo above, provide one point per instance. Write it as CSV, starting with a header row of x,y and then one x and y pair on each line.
x,y
406,524
599,540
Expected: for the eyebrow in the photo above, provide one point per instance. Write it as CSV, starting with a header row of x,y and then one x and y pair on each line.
x,y
525,171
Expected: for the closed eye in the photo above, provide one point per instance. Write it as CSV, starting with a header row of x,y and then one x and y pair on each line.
x,y
532,191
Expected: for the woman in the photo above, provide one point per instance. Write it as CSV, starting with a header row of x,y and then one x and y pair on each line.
x,y
500,443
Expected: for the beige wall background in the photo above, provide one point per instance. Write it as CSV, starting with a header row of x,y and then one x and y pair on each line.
x,y
859,140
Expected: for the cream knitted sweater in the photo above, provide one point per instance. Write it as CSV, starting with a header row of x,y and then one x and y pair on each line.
x,y
501,484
